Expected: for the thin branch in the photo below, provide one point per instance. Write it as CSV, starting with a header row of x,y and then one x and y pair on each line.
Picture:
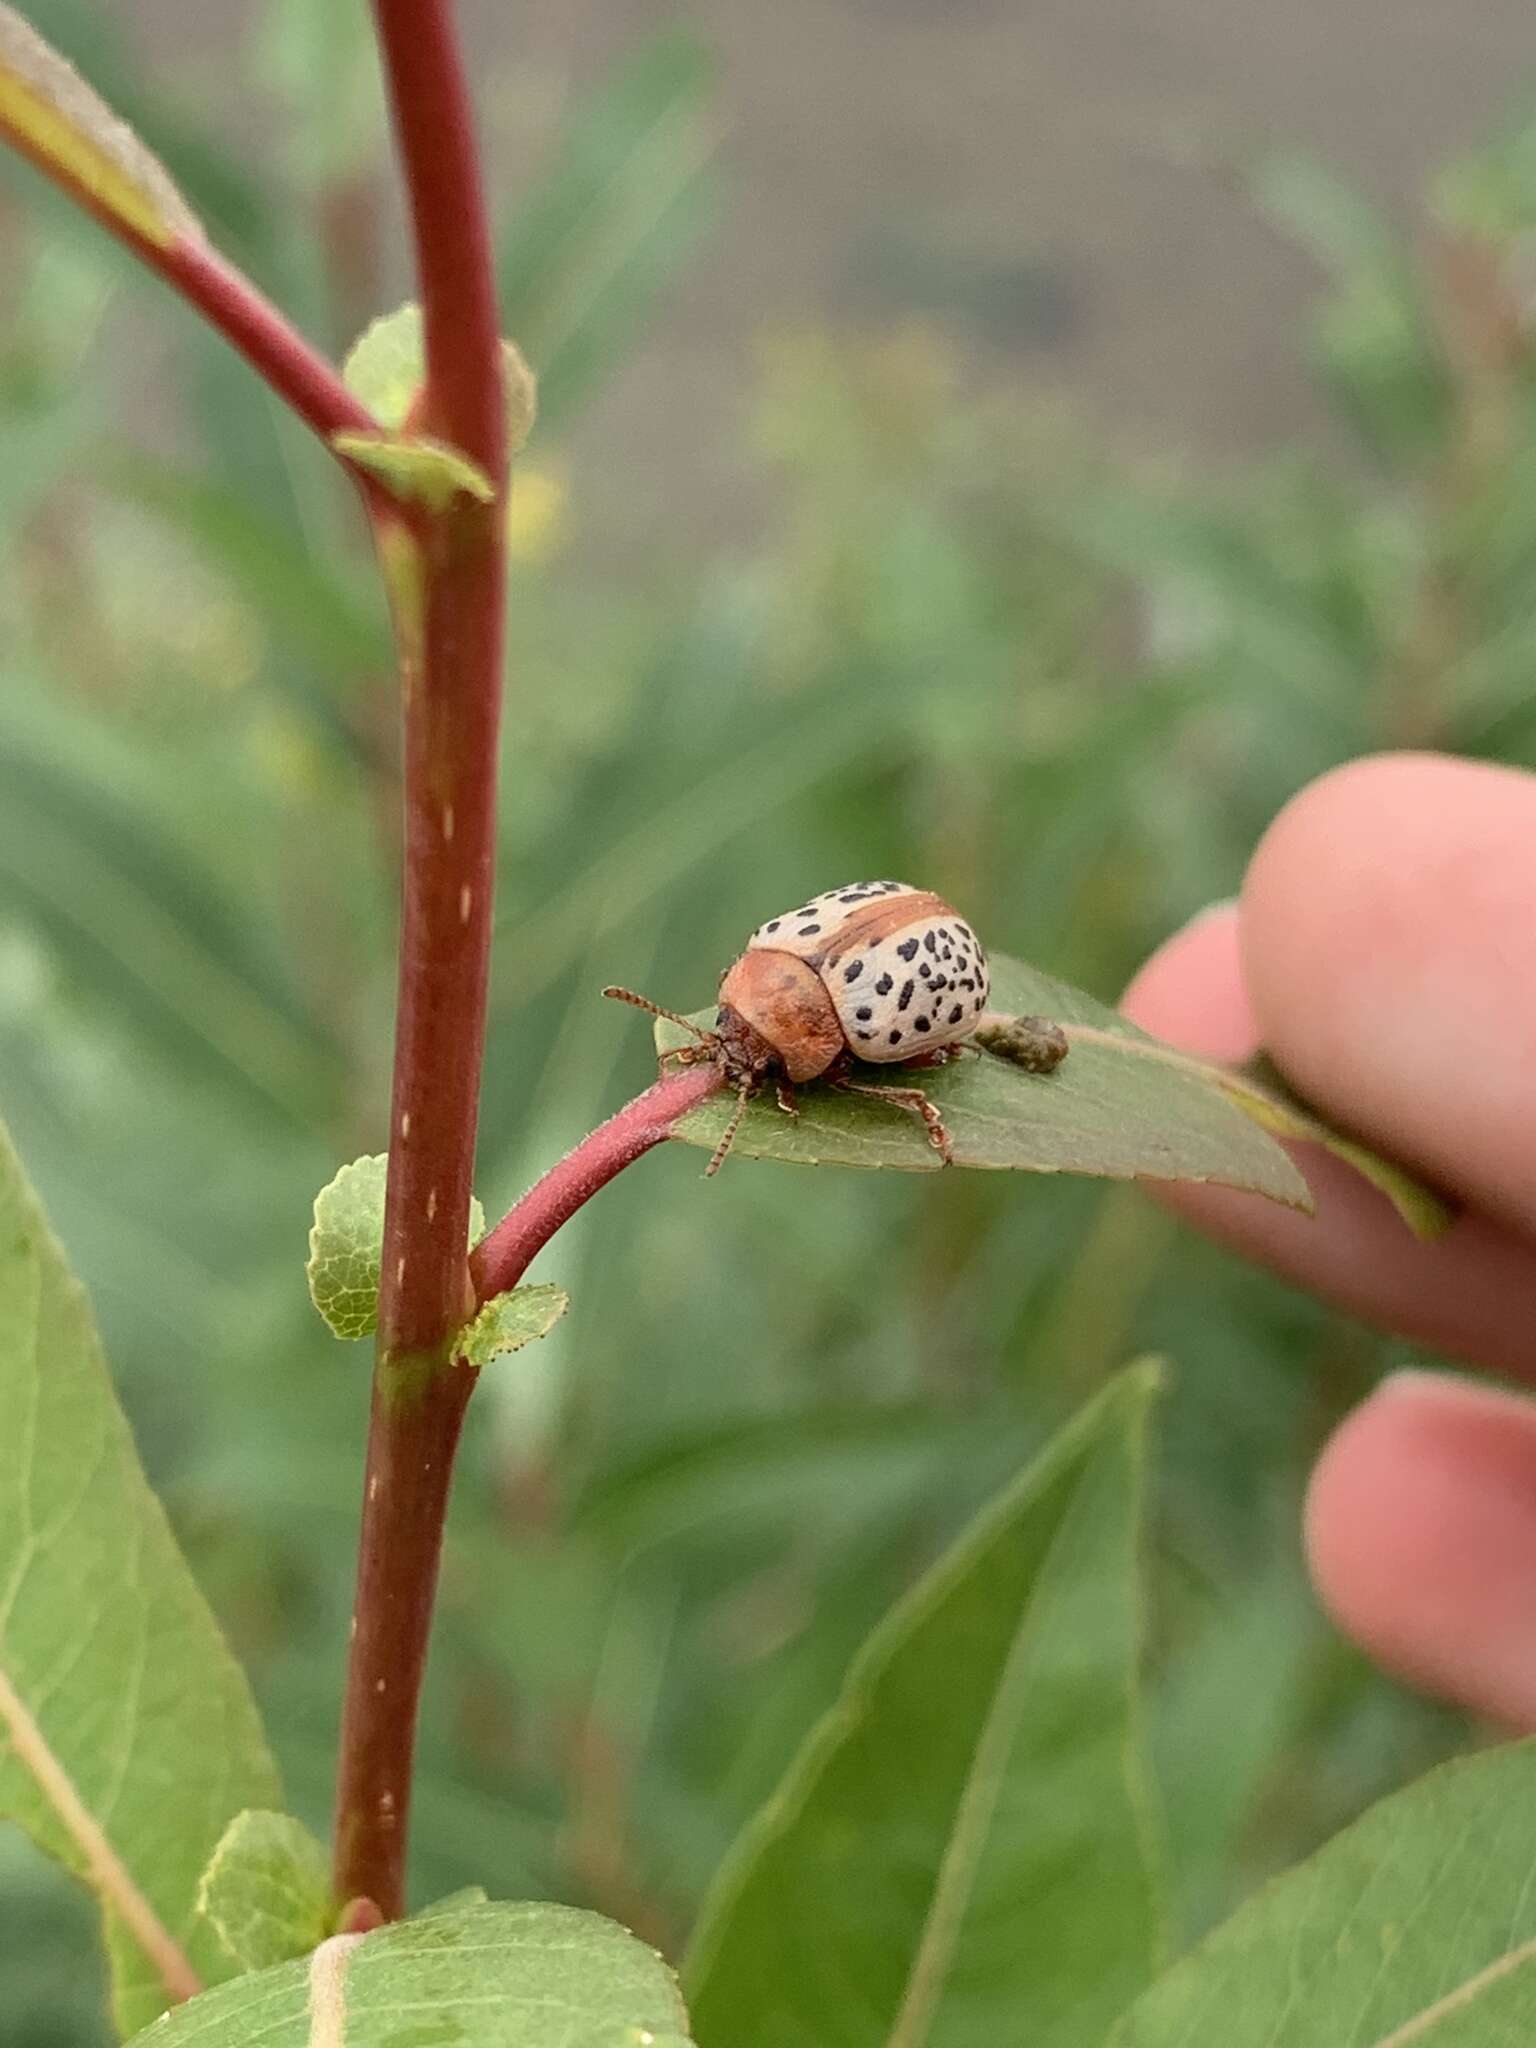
x,y
268,340
504,1254
452,706
60,124
434,128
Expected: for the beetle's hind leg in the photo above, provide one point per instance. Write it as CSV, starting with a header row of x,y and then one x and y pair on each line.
x,y
915,1102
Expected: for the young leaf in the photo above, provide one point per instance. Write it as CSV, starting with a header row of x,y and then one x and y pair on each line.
x,y
387,366
960,1852
346,1242
416,467
128,1737
478,1976
50,114
267,1890
1120,1106
509,1321
1416,1924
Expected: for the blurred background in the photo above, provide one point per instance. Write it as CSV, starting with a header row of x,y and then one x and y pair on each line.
x,y
1009,447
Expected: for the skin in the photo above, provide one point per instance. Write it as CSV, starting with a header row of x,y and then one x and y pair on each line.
x,y
1384,951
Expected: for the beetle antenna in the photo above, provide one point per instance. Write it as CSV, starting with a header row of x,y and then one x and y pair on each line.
x,y
728,1139
627,995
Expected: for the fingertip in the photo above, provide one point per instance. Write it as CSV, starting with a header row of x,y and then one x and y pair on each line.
x,y
1421,1537
1382,930
1191,991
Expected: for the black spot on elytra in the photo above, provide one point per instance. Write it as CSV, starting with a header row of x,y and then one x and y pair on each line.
x,y
773,924
894,1039
977,1004
863,1013
865,1035
884,985
907,949
943,931
920,1023
809,931
930,943
925,970
967,983
963,928
905,997
939,981
853,971
957,1013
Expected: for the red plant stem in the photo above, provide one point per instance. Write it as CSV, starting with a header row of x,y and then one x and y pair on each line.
x,y
267,339
230,302
434,129
504,1254
452,713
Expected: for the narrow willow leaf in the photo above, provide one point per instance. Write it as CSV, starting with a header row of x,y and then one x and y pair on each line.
x,y
416,467
128,1737
346,1243
1260,1090
509,1321
387,366
1417,1924
1114,1107
479,1976
1120,1106
50,114
267,1890
960,1854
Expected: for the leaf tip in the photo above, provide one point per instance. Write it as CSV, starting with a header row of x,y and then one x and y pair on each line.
x,y
64,126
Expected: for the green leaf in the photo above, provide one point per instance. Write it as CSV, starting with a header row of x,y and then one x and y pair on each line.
x,y
1416,1924
346,1243
1260,1091
387,367
509,1321
960,1853
492,1976
1120,1106
128,1736
417,467
267,1891
50,114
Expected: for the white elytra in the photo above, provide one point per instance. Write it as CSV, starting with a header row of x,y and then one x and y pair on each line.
x,y
905,972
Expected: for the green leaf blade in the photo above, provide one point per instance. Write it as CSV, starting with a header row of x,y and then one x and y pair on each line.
x,y
509,1321
50,114
128,1737
416,467
961,1851
1120,1106
346,1246
1113,1108
479,1976
1417,1924
267,1892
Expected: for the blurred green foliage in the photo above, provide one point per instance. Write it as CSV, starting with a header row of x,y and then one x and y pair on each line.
x,y
961,648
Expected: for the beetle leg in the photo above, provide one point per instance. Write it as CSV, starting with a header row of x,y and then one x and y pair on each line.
x,y
728,1139
916,1103
786,1094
